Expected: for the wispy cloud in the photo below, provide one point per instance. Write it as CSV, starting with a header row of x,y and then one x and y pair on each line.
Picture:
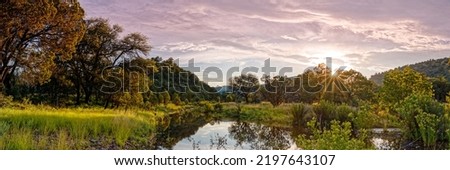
x,y
368,35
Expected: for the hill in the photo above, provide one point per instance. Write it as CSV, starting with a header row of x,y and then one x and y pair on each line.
x,y
174,79
431,68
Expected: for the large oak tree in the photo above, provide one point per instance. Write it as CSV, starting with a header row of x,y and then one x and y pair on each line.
x,y
34,33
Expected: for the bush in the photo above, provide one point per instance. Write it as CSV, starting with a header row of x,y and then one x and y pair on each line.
x,y
427,126
364,118
343,112
422,118
338,137
326,112
218,107
206,107
301,114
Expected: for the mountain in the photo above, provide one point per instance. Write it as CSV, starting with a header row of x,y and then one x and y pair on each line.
x,y
431,68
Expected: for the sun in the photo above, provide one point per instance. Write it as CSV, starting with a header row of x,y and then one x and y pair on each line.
x,y
338,57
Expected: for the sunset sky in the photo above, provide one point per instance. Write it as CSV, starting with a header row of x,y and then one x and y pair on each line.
x,y
369,36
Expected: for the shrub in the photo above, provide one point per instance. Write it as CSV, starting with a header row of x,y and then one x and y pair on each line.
x,y
338,137
363,118
342,113
218,107
422,118
206,107
427,127
326,112
301,114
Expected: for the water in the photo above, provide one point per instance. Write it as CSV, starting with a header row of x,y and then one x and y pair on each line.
x,y
205,134
386,139
231,135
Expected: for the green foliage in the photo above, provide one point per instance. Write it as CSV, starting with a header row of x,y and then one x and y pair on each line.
x,y
218,107
448,137
160,98
364,118
326,111
338,137
244,86
301,113
399,84
431,68
340,87
230,98
274,89
174,79
447,118
24,23
206,107
441,87
427,127
260,113
166,97
422,118
176,99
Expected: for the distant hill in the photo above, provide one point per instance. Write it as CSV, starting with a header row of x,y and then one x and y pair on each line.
x,y
431,68
174,79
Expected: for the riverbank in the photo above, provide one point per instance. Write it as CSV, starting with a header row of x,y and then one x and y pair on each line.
x,y
163,126
41,127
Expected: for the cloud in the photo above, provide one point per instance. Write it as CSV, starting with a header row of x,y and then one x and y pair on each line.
x,y
286,37
368,35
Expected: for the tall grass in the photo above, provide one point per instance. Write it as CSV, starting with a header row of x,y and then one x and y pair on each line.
x,y
75,128
302,114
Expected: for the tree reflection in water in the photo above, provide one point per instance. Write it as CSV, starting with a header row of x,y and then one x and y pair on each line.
x,y
260,137
218,142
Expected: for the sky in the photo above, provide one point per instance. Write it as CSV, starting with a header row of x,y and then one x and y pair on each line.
x,y
369,36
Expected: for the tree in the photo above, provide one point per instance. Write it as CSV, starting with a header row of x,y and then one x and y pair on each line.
x,y
360,88
310,87
244,85
274,89
129,78
399,84
441,87
101,48
34,34
166,97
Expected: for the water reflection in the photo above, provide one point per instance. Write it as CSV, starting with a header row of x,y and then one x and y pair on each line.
x,y
176,127
190,131
386,139
230,135
260,137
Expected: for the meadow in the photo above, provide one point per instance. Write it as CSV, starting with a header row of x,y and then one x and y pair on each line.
x,y
41,127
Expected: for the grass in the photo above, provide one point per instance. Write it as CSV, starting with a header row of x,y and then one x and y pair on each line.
x,y
39,127
260,113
